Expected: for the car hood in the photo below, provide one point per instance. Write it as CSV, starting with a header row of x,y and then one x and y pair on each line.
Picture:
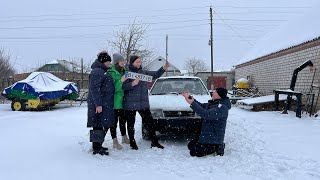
x,y
172,102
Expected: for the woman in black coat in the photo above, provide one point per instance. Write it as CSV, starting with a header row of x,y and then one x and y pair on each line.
x,y
136,99
100,102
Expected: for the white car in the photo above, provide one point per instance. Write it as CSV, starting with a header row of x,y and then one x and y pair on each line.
x,y
169,108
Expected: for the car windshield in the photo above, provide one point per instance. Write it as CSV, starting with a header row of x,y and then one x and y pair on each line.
x,y
175,86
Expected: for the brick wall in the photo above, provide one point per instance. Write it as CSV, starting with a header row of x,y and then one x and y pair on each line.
x,y
276,72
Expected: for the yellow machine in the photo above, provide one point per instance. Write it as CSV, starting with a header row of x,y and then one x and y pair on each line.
x,y
243,88
243,83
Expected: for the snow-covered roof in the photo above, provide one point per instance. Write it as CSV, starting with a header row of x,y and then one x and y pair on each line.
x,y
72,67
158,62
296,31
53,62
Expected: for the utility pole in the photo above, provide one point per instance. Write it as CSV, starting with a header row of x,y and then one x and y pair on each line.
x,y
166,52
211,44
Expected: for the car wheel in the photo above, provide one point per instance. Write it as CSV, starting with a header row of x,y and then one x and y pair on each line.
x,y
18,105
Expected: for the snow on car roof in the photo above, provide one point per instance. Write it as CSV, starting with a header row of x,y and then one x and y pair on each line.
x,y
179,77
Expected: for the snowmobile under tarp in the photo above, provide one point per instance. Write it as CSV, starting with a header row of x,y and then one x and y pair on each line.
x,y
39,89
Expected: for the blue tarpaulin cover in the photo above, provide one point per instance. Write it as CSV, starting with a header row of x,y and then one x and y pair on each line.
x,y
42,85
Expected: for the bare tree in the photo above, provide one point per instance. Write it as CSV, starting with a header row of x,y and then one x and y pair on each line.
x,y
76,65
6,69
195,65
129,41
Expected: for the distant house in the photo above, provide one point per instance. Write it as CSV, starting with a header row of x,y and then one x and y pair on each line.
x,y
223,79
159,62
60,66
63,69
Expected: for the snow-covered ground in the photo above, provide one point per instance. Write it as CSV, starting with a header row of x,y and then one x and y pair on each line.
x,y
54,145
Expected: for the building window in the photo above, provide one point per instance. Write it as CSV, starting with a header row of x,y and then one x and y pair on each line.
x,y
249,78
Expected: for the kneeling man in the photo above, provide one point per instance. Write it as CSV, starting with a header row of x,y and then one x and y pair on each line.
x,y
214,116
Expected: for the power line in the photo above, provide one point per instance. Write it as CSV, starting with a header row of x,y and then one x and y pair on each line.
x,y
91,26
259,25
72,36
125,24
16,39
266,7
45,41
95,18
270,12
126,17
196,35
100,35
197,39
230,19
233,29
259,20
105,13
55,37
157,10
262,29
178,27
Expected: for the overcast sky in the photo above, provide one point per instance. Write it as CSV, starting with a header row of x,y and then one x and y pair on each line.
x,y
37,31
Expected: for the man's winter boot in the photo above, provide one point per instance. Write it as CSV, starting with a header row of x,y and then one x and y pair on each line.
x,y
125,140
155,143
133,144
116,144
220,149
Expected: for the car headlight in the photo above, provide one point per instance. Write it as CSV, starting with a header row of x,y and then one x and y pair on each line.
x,y
157,113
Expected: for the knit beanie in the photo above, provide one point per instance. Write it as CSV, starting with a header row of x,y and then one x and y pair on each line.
x,y
104,57
222,92
116,58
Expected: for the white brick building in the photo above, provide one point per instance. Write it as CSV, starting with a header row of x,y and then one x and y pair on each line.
x,y
272,60
274,71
